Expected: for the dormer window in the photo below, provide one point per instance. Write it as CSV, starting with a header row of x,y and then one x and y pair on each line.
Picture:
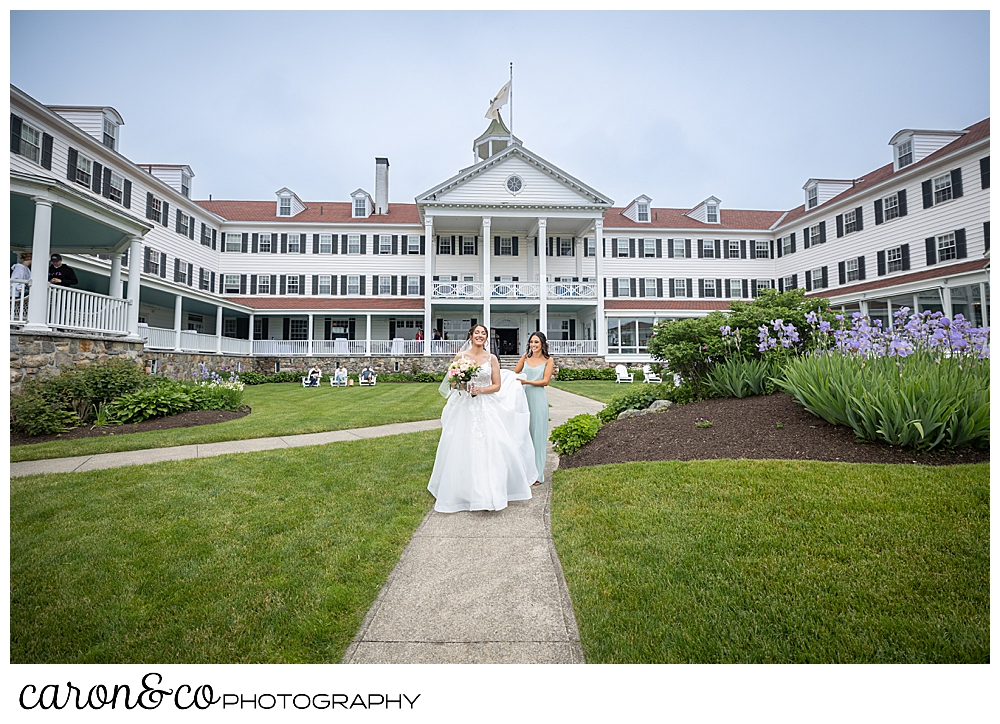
x,y
110,134
712,214
360,207
904,154
642,211
185,185
812,197
285,206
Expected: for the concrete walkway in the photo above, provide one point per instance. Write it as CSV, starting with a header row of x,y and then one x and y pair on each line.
x,y
184,452
482,587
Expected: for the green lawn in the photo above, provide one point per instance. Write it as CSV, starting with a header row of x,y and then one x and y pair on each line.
x,y
278,409
776,561
265,557
601,390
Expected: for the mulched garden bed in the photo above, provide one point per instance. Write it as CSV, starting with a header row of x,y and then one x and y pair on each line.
x,y
193,418
744,428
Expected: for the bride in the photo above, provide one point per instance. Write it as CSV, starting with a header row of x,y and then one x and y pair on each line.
x,y
485,457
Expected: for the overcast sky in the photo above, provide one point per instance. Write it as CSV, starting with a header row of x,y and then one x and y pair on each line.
x,y
675,105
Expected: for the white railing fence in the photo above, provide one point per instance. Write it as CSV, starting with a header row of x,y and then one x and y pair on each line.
x,y
578,290
280,347
195,342
233,345
514,290
338,347
457,290
573,346
446,346
158,338
396,347
19,300
87,311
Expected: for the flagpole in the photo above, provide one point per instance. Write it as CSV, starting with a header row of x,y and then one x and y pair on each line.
x,y
512,104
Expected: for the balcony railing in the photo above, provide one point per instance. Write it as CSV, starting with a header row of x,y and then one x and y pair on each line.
x,y
457,290
514,290
577,290
339,347
158,338
86,311
573,346
196,342
280,347
449,347
232,345
19,300
396,347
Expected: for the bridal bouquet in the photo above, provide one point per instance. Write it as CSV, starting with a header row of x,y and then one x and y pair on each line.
x,y
460,373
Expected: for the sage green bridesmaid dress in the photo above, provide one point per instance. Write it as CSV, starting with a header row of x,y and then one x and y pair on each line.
x,y
538,405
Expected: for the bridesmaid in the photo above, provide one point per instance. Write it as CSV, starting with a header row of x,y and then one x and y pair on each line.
x,y
537,366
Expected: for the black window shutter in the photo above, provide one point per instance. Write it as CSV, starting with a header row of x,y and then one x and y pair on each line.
x,y
302,283
690,286
46,151
127,199
204,241
826,279
878,212
286,327
343,243
315,286
315,243
670,248
745,290
303,239
701,249
905,249
842,272
880,262
605,286
632,287
165,220
604,246
861,267
729,289
375,284
343,284
718,287
687,248
461,246
859,218
394,288
822,232
631,248
496,246
244,242
753,250
402,285
659,287
772,249
254,243
659,249
177,269
513,245
361,282
422,285
282,289
840,225
805,238
572,252
213,239
642,286
211,285
781,285
931,245
177,221
333,284
956,183
71,164
984,172
753,287
701,288
149,205
614,287
670,282
422,251
97,179
145,259
395,243
928,193
364,245
960,243
15,134
743,248
243,283
284,243
793,242
718,248
274,284
901,200
190,274
253,284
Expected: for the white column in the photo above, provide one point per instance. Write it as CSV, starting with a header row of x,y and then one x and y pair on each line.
x,y
38,299
218,330
309,336
134,265
543,291
600,324
429,249
983,305
178,301
250,334
368,335
946,300
487,277
115,286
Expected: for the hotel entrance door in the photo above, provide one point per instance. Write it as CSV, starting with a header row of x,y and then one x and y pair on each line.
x,y
504,341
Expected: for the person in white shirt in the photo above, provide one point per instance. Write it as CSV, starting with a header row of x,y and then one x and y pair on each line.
x,y
21,270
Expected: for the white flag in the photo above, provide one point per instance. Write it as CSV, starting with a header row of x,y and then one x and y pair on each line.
x,y
501,100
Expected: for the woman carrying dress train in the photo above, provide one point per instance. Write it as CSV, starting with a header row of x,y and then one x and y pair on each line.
x,y
537,366
485,457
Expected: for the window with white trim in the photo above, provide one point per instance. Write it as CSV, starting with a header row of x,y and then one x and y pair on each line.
x,y
285,206
709,285
292,284
788,282
353,284
894,259
152,260
712,214
229,327
324,284
31,142
851,269
354,243
850,221
762,284
946,247
183,223
360,207
258,328
680,248
904,154
84,167
642,211
117,190
204,280
812,197
186,188
565,246
786,244
413,244
468,245
708,248
734,248
680,288
506,246
622,247
264,244
817,278
814,235
326,243
942,188
156,210
298,329
195,323
649,248
890,207
293,243
110,138
384,244
762,249
234,242
413,284
263,284
736,288
231,283
650,284
591,247
385,284
623,286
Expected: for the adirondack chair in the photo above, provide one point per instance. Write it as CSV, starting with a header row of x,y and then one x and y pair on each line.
x,y
622,374
648,375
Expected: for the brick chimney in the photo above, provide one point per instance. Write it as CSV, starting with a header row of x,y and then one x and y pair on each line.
x,y
381,186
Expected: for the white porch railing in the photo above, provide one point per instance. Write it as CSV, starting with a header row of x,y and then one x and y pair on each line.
x,y
396,347
514,290
573,346
449,347
577,290
87,311
233,345
195,342
338,347
19,300
158,338
457,290
280,347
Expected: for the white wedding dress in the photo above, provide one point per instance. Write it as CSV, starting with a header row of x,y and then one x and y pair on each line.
x,y
485,457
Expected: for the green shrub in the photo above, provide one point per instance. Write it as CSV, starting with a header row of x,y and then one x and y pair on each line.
x,y
253,378
915,402
32,414
156,401
636,397
743,377
566,374
574,433
214,397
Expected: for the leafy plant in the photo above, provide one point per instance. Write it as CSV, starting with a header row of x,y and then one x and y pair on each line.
x,y
158,401
574,433
702,422
103,417
743,377
32,414
566,374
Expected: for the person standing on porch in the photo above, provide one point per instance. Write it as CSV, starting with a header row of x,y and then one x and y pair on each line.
x,y
21,270
61,274
537,366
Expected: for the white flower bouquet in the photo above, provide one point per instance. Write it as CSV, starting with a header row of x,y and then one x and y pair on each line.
x,y
460,373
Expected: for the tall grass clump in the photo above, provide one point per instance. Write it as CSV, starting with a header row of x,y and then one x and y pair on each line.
x,y
743,377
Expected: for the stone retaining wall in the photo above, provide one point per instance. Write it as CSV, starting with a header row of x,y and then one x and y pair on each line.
x,y
41,354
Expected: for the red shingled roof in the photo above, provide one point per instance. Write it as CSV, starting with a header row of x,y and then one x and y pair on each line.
x,y
322,212
931,272
294,303
665,304
976,132
675,219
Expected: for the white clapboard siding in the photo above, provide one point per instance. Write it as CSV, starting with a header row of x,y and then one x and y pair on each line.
x,y
89,121
489,187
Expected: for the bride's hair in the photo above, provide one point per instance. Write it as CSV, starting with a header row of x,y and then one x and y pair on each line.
x,y
545,344
472,331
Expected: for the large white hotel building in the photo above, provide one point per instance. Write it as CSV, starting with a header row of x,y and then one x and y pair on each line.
x,y
512,241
